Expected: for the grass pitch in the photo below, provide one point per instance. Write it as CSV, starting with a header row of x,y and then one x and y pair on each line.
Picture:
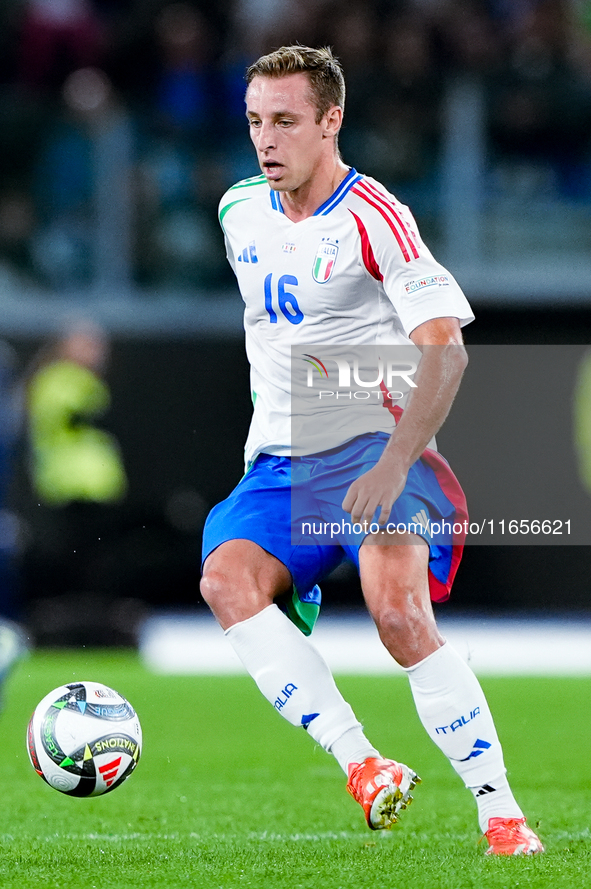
x,y
228,795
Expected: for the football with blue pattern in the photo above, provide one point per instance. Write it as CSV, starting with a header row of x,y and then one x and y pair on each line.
x,y
84,739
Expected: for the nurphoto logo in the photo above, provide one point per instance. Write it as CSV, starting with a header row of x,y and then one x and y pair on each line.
x,y
381,375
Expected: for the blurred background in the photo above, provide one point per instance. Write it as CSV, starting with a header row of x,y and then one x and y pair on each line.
x,y
124,398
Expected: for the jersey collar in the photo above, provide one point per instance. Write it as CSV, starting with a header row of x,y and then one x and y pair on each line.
x,y
336,197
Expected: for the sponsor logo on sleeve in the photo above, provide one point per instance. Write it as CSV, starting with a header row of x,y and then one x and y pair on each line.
x,y
430,281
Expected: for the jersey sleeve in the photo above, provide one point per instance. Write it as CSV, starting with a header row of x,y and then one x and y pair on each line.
x,y
230,253
236,197
225,205
393,251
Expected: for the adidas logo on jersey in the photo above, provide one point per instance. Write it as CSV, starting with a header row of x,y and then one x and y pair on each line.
x,y
249,254
421,518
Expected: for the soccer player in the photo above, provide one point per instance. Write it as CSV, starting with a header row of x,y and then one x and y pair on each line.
x,y
324,254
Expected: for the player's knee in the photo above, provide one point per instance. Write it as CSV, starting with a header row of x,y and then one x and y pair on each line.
x,y
407,631
215,588
393,624
399,625
232,597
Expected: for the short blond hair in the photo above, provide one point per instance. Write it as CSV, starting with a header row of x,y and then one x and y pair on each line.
x,y
323,70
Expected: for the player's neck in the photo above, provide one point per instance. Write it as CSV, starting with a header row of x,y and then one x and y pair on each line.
x,y
303,201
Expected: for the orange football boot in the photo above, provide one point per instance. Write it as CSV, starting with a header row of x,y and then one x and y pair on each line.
x,y
511,836
382,787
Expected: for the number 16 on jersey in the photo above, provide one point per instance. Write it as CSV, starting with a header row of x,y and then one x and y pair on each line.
x,y
285,299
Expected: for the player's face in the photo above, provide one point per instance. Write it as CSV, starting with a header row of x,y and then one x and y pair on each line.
x,y
291,147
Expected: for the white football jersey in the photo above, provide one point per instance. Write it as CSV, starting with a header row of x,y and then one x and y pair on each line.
x,y
354,273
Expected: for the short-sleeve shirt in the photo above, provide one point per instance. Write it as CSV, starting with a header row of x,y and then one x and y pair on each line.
x,y
355,272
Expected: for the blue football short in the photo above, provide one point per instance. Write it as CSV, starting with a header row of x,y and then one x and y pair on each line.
x,y
309,531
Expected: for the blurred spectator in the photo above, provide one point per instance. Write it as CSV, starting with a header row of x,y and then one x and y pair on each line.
x,y
469,42
353,31
541,103
164,64
262,24
184,87
17,224
400,124
57,37
70,168
63,190
79,482
73,461
170,77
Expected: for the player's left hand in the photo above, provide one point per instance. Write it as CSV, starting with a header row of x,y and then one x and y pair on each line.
x,y
379,487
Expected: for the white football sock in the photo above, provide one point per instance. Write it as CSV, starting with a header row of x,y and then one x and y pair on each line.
x,y
294,677
454,711
495,800
352,747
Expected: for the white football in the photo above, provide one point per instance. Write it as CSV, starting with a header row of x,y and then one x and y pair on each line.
x,y
84,739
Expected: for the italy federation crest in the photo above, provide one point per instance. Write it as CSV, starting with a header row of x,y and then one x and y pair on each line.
x,y
326,256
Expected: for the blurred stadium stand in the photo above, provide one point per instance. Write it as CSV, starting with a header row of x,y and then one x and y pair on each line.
x,y
121,124
190,644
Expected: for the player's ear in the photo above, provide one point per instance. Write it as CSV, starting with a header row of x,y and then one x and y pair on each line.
x,y
332,121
